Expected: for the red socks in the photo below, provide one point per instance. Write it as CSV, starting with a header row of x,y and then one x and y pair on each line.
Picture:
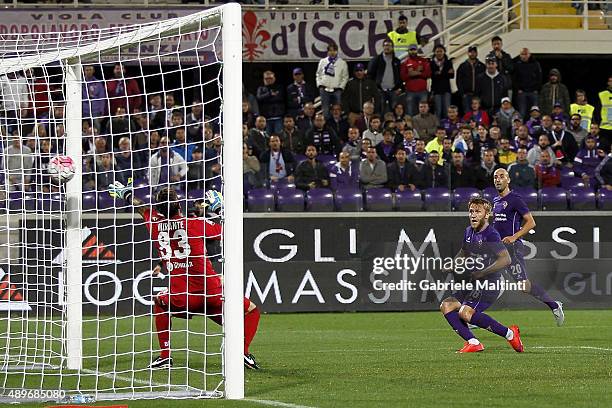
x,y
251,320
162,324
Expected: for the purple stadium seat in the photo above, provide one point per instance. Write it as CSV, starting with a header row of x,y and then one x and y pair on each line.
x,y
349,200
106,202
196,194
260,200
409,200
89,201
462,196
605,200
281,183
569,183
437,199
582,198
379,199
553,198
214,183
48,201
567,172
327,159
289,199
319,200
529,195
489,193
140,182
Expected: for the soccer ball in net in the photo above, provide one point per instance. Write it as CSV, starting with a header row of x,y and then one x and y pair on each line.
x,y
61,168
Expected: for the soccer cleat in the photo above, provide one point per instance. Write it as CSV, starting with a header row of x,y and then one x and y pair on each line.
x,y
161,362
559,314
471,348
516,342
249,362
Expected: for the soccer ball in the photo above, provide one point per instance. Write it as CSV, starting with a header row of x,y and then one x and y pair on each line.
x,y
61,168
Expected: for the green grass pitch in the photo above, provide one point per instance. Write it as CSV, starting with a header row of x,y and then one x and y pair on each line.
x,y
408,360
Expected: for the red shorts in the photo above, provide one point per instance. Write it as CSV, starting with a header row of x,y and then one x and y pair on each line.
x,y
196,303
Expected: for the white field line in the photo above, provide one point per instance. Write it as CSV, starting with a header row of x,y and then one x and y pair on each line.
x,y
275,403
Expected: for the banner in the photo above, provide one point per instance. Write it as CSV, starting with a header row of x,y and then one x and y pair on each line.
x,y
303,35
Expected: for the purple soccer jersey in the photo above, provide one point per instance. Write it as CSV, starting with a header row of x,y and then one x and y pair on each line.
x,y
508,213
485,244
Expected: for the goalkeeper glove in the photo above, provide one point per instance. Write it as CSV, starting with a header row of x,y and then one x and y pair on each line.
x,y
118,190
213,200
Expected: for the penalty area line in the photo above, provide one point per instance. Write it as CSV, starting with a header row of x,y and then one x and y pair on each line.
x,y
570,348
275,403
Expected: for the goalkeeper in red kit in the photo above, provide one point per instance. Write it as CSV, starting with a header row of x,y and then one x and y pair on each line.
x,y
195,287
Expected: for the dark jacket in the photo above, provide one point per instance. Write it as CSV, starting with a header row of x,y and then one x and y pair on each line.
x,y
258,140
271,99
376,71
427,176
522,175
504,64
305,173
527,76
484,178
551,93
440,78
492,90
288,158
294,141
568,148
325,140
466,76
397,176
340,128
386,157
466,178
357,92
297,96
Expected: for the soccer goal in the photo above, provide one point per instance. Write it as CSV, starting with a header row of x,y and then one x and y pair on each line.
x,y
157,105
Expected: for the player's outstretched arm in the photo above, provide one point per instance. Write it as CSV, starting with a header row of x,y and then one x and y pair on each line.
x,y
126,192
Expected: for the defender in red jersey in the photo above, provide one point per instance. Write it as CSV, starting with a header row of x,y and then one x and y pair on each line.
x,y
195,287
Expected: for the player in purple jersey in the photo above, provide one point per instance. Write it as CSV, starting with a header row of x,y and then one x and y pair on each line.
x,y
482,243
512,219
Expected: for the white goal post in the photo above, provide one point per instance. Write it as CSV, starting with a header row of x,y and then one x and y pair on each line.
x,y
79,327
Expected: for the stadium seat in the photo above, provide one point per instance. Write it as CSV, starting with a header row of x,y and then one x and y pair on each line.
x,y
569,182
327,159
140,182
196,194
106,202
289,199
529,195
19,201
281,183
320,200
409,200
553,198
462,196
47,201
214,183
89,201
349,200
260,200
604,201
582,198
379,199
437,199
567,172
489,193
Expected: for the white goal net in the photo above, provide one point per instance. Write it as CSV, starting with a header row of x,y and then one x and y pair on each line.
x,y
156,105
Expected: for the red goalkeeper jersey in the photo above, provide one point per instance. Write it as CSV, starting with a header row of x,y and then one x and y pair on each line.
x,y
180,243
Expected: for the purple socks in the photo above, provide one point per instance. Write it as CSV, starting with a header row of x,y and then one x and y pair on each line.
x,y
487,322
540,294
459,325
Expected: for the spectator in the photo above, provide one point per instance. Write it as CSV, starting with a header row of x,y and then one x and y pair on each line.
x,y
359,90
476,113
14,95
374,133
502,58
447,151
415,71
408,142
562,142
94,97
442,72
291,137
118,126
603,173
251,99
42,92
212,168
248,119
363,122
323,138
398,113
505,155
271,100
365,145
452,123
495,135
258,136
353,145
372,171
180,145
552,92
299,93
605,127
402,38
460,174
594,132
534,123
522,174
129,163
106,172
467,73
559,113
332,76
534,155
419,154
435,174
338,123
437,144
484,173
582,108
505,117
492,86
123,92
311,173
166,167
19,165
195,121
425,123
527,80
157,113
547,173
195,171
171,106
399,177
587,159
176,120
547,125
344,174
464,140
386,148
576,129
384,69
42,158
305,120
278,162
250,167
